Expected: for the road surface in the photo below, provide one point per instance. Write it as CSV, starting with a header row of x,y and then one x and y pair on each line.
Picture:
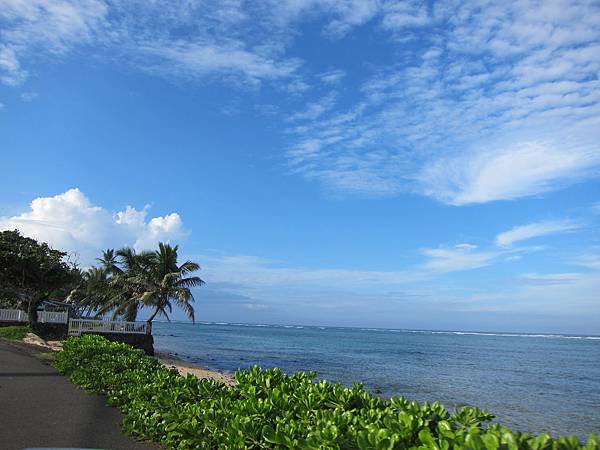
x,y
41,408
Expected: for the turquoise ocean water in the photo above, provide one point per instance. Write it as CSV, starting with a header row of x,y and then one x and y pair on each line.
x,y
531,382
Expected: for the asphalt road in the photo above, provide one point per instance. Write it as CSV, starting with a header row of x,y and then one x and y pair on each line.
x,y
41,408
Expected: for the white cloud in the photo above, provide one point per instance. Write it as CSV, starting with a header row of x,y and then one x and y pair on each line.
x,y
189,59
333,76
70,222
29,96
315,109
533,230
55,26
145,34
552,278
489,102
525,169
459,257
259,272
401,15
11,73
349,14
566,293
590,261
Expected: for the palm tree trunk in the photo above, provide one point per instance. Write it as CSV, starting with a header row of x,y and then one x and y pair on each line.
x,y
151,318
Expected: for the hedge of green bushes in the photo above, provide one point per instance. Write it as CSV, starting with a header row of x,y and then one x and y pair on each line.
x,y
269,409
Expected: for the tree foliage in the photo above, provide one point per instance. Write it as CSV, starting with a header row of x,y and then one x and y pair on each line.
x,y
31,272
127,281
270,409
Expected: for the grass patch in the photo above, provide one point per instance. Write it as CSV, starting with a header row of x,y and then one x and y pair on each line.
x,y
16,333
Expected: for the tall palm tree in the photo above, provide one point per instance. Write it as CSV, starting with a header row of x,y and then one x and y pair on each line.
x,y
169,283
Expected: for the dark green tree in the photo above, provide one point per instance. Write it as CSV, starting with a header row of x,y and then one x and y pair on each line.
x,y
33,271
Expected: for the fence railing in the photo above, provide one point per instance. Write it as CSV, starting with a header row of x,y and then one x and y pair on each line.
x,y
16,315
53,316
12,315
79,326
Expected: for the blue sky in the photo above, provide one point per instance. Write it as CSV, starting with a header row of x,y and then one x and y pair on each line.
x,y
363,163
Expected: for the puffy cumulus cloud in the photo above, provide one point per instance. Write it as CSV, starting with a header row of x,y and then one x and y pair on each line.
x,y
70,222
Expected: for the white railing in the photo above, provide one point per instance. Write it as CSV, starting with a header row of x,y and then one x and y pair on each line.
x,y
79,326
53,316
12,315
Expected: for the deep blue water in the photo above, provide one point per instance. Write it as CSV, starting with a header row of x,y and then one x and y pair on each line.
x,y
531,383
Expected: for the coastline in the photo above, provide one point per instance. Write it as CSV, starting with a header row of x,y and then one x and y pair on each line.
x,y
169,360
188,368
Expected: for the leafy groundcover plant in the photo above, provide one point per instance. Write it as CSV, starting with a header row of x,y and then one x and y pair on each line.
x,y
269,409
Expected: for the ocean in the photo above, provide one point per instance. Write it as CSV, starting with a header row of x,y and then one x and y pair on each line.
x,y
530,382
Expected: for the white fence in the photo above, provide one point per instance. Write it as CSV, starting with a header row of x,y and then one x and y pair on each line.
x,y
79,326
53,316
12,315
16,315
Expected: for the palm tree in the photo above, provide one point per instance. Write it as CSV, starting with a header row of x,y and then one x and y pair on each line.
x,y
168,282
92,292
134,280
109,262
128,281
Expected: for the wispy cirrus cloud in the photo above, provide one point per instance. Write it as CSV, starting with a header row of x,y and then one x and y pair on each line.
x,y
589,260
495,102
457,258
520,170
246,270
147,34
192,60
465,102
54,27
552,278
192,39
468,256
533,230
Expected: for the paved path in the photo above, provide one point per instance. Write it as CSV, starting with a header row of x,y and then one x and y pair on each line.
x,y
41,408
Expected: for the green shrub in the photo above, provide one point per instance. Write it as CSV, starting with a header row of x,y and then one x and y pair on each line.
x,y
16,333
269,409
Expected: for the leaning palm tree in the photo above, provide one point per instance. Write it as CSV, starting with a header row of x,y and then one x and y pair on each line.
x,y
92,292
128,282
169,283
